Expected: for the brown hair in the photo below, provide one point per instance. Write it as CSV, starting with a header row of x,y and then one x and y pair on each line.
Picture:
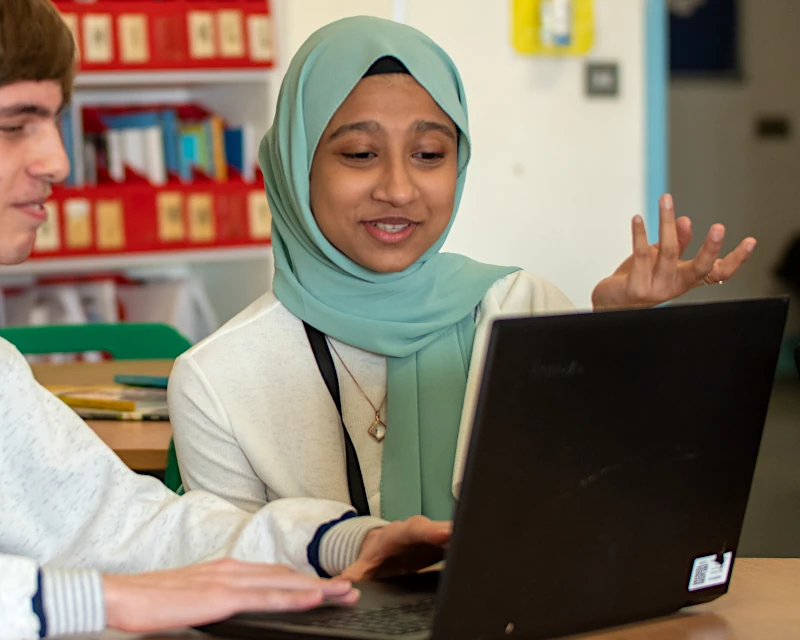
x,y
35,44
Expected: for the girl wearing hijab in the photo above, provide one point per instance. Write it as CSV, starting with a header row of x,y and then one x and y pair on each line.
x,y
364,169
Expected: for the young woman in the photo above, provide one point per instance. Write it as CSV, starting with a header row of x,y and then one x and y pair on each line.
x,y
85,543
364,168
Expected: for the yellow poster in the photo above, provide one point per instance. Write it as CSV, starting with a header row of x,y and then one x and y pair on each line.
x,y
552,27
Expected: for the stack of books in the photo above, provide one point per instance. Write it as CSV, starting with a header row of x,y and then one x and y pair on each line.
x,y
117,402
155,177
158,143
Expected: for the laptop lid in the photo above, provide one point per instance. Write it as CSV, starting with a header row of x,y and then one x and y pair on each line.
x,y
611,461
611,458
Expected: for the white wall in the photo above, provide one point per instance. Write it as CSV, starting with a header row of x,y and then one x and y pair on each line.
x,y
556,176
298,19
721,172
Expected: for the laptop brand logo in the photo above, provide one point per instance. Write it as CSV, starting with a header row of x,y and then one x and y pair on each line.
x,y
550,370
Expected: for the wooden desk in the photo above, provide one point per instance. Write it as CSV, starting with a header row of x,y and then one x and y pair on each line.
x,y
763,604
141,445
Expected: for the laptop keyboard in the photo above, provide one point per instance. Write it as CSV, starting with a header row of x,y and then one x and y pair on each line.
x,y
394,620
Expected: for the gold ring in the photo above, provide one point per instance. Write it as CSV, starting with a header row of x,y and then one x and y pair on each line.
x,y
707,281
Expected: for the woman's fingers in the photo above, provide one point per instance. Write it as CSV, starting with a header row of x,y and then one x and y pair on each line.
x,y
641,273
669,251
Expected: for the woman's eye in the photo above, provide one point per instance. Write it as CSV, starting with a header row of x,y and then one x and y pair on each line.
x,y
429,157
363,155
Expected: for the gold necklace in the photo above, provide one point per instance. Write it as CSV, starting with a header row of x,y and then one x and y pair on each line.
x,y
378,428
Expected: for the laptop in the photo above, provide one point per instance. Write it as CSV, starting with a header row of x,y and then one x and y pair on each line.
x,y
606,481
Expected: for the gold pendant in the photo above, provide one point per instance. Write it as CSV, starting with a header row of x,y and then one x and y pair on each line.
x,y
378,428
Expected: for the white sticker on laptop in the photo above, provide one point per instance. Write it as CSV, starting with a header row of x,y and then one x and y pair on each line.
x,y
707,572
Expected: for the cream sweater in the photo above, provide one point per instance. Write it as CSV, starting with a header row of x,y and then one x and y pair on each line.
x,y
254,421
71,507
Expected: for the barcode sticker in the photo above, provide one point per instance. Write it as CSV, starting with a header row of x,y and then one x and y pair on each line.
x,y
260,36
49,237
201,218
72,22
170,216
78,223
134,44
231,34
97,40
202,35
110,224
259,215
707,572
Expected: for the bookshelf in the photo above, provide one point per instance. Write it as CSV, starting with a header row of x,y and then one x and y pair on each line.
x,y
199,77
138,55
126,261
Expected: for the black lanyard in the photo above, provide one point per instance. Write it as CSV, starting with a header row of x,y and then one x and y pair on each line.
x,y
355,482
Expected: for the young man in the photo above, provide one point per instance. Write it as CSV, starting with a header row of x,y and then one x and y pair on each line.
x,y
71,506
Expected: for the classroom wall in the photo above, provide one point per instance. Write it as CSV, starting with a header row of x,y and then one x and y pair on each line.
x,y
721,171
298,19
556,176
295,20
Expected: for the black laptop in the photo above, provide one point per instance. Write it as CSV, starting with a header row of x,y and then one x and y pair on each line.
x,y
606,481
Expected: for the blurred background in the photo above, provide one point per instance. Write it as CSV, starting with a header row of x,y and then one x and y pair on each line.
x,y
583,112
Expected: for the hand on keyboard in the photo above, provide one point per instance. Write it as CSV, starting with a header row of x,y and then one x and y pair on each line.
x,y
400,548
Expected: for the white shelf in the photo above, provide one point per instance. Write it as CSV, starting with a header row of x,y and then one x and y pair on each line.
x,y
44,266
184,78
242,96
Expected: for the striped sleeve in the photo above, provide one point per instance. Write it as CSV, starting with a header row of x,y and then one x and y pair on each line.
x,y
338,543
72,602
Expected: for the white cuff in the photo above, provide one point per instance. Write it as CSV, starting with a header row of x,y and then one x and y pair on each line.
x,y
73,601
340,546
18,584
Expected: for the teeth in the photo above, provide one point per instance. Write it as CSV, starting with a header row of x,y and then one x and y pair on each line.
x,y
391,228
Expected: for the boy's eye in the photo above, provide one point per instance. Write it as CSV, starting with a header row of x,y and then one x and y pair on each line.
x,y
12,129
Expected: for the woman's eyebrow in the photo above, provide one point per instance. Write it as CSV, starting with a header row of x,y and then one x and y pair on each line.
x,y
421,126
370,126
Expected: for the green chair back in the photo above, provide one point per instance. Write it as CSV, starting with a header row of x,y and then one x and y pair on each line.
x,y
123,341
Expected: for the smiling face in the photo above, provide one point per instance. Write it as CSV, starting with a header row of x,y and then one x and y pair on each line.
x,y
32,157
383,179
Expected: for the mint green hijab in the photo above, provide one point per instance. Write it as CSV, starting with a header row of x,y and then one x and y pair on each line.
x,y
422,319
